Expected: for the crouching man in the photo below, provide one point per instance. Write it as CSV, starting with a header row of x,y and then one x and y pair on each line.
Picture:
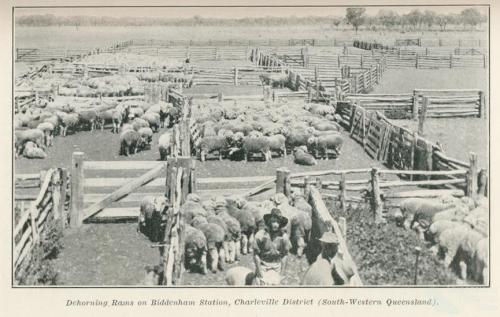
x,y
329,268
271,246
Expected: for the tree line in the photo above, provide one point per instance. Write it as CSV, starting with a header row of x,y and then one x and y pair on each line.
x,y
357,18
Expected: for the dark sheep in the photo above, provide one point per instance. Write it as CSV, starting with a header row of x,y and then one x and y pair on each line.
x,y
208,145
301,157
130,142
324,143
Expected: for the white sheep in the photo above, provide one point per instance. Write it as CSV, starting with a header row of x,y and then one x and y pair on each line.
x,y
150,216
165,145
48,130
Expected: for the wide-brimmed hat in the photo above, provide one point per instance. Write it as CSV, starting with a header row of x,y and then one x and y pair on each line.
x,y
329,238
275,213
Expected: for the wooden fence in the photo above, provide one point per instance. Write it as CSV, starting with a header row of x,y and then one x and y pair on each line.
x,y
34,209
442,103
47,54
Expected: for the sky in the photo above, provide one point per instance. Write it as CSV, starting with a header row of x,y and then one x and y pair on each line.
x,y
225,12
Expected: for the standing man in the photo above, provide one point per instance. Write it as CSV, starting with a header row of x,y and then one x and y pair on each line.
x,y
271,248
329,268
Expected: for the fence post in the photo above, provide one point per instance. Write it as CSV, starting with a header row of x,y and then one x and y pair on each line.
x,y
484,60
283,181
412,153
235,76
267,93
319,184
415,105
62,195
482,182
423,115
342,188
481,104
472,174
307,187
77,180
429,154
416,60
376,201
451,60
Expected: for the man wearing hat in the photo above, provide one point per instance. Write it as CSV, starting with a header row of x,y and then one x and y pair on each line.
x,y
271,247
329,268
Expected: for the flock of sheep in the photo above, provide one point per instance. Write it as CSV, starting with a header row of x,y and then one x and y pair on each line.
x,y
136,122
457,229
220,229
308,131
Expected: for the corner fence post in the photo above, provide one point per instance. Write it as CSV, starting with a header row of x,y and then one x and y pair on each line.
x,y
77,180
282,176
472,174
423,115
376,200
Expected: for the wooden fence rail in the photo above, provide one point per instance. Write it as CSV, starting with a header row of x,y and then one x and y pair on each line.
x,y
31,222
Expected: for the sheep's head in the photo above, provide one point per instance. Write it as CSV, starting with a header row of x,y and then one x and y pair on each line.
x,y
160,203
198,221
193,197
312,140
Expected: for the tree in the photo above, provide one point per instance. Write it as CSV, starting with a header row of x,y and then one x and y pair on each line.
x,y
414,18
470,17
429,18
388,18
355,17
442,20
336,22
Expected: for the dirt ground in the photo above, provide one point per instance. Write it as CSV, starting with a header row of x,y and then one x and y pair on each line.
x,y
105,254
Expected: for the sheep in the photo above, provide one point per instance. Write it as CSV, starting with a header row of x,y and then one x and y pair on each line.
x,y
147,135
174,115
465,252
255,134
325,142
325,126
449,242
480,263
88,116
126,127
162,110
48,130
209,129
239,276
412,206
22,136
215,238
320,109
106,115
192,208
247,222
130,141
299,202
228,239
296,137
438,227
55,121
165,142
277,143
151,213
135,112
256,145
153,119
139,123
234,232
195,249
301,224
68,120
31,150
225,133
256,210
301,157
208,145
